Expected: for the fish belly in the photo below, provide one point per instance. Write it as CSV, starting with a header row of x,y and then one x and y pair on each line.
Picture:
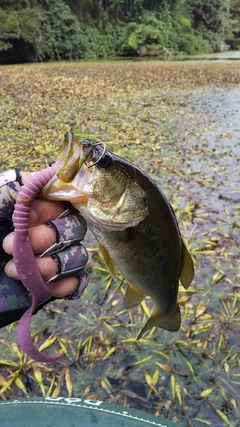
x,y
144,262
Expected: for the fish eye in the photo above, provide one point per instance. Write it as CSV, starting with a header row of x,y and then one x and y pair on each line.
x,y
105,162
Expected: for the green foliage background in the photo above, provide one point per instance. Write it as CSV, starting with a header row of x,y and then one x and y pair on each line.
x,y
43,30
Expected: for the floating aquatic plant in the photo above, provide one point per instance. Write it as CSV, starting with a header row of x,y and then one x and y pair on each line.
x,y
180,123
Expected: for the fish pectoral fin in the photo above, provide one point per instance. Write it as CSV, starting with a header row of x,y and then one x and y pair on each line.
x,y
169,322
108,261
187,273
133,296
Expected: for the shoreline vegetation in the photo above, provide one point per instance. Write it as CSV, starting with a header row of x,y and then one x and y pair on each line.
x,y
53,30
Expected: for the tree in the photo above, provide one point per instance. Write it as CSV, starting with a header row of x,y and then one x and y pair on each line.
x,y
60,34
38,30
18,32
43,30
233,37
210,18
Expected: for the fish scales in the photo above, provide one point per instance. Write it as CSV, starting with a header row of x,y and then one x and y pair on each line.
x,y
134,223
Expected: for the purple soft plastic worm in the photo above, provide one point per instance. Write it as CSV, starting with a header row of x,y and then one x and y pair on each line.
x,y
25,262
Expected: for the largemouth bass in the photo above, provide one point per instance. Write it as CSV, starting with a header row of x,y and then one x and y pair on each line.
x,y
134,224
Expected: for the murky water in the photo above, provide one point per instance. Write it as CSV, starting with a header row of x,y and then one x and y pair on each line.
x,y
213,115
196,163
200,172
229,55
189,142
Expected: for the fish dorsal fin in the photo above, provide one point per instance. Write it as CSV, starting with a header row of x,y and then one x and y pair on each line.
x,y
109,263
187,273
169,322
133,296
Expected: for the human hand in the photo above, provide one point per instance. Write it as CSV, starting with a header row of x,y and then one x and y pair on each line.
x,y
69,230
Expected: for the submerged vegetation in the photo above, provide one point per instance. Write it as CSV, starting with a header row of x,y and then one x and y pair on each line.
x,y
180,123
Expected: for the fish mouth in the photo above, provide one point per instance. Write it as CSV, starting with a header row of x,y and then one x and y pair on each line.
x,y
77,192
60,190
71,177
108,201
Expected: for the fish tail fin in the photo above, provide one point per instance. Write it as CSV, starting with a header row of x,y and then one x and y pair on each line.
x,y
169,322
187,273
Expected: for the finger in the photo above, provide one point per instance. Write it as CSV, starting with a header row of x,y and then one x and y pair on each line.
x,y
48,269
41,238
45,210
69,262
53,236
46,265
58,289
63,287
42,210
25,176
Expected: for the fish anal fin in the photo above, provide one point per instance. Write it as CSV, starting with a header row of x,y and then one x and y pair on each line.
x,y
169,322
187,273
133,296
108,261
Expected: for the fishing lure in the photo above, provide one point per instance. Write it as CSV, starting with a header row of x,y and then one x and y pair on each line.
x,y
23,255
25,262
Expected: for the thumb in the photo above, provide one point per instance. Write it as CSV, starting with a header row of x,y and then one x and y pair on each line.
x,y
42,210
45,210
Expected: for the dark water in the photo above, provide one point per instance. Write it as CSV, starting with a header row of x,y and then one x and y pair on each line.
x,y
189,142
196,162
